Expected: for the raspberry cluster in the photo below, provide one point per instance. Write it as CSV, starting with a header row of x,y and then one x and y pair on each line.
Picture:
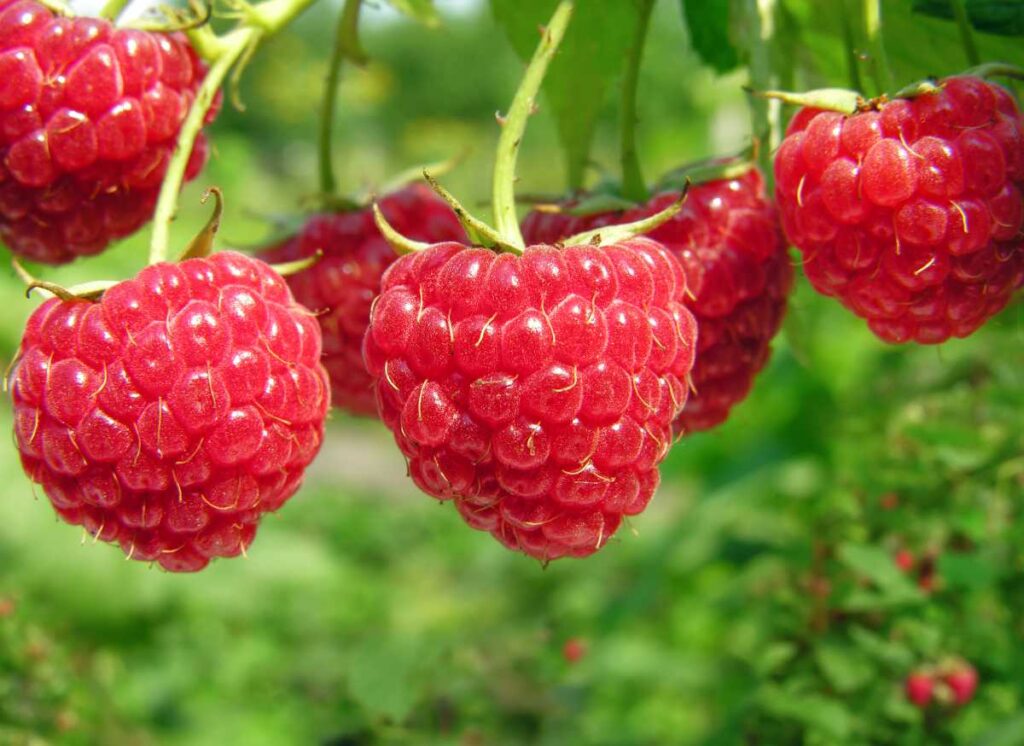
x,y
910,214
739,275
175,411
341,286
536,391
89,115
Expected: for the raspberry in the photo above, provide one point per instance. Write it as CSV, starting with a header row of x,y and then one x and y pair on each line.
x,y
174,412
910,215
726,237
536,391
905,560
919,688
342,285
963,682
89,115
574,650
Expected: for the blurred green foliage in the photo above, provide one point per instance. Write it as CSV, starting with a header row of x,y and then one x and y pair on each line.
x,y
754,602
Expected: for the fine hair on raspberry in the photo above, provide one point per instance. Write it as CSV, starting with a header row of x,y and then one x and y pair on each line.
x,y
728,239
89,118
536,391
174,412
910,213
340,287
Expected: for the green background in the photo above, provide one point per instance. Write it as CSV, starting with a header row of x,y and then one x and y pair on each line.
x,y
755,601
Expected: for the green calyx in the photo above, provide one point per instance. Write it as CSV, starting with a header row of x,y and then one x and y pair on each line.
x,y
505,234
841,100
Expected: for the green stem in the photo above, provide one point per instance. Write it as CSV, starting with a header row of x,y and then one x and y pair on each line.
x,y
966,32
113,8
880,70
850,41
261,21
346,45
765,113
633,185
503,187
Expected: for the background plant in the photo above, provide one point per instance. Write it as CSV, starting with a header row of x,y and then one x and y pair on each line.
x,y
759,601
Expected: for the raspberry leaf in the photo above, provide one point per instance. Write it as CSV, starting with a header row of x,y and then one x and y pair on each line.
x,y
422,11
1002,17
589,59
711,35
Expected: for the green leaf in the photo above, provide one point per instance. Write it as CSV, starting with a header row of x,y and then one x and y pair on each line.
x,y
710,34
382,676
845,669
891,654
1003,17
967,571
774,657
812,710
875,564
1008,732
590,57
422,11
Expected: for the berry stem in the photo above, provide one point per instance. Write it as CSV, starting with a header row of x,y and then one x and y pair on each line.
x,y
966,32
765,113
503,191
850,41
346,46
223,52
113,8
633,185
880,70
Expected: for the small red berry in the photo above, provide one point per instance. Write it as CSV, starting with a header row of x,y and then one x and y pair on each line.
x,y
89,114
341,286
574,650
911,215
919,688
172,413
536,391
962,682
889,501
905,560
729,243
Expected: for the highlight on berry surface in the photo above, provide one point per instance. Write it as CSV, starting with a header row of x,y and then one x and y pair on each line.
x,y
169,413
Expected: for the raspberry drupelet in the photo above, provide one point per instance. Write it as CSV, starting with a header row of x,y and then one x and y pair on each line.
x,y
910,214
89,116
172,413
340,287
739,273
536,391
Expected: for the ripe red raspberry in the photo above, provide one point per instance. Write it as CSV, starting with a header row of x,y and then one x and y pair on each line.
x,y
574,650
905,560
727,238
342,285
537,391
910,215
174,412
919,688
89,115
962,682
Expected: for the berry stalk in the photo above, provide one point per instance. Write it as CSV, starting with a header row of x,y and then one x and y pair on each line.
x,y
766,114
633,185
504,200
346,46
880,70
966,33
849,39
113,8
223,52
